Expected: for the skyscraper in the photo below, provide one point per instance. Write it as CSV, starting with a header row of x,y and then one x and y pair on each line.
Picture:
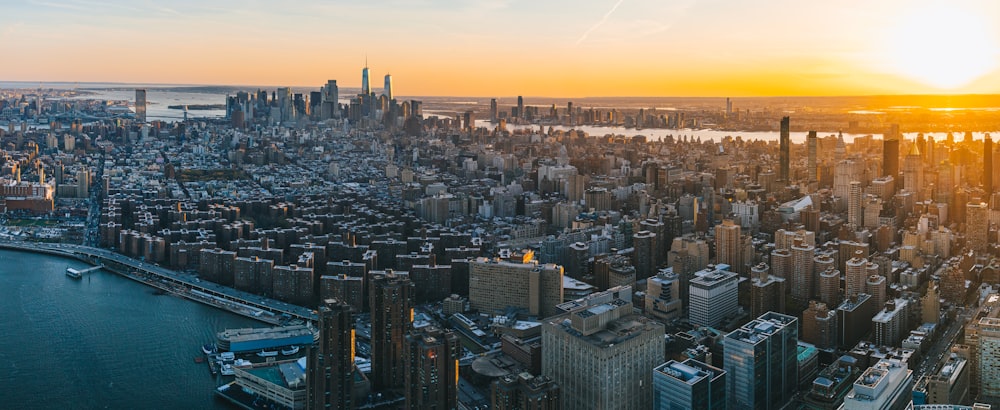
x,y
387,88
140,105
854,211
494,110
988,165
890,152
977,225
913,171
331,361
331,100
802,282
392,315
432,369
729,245
812,144
886,385
520,107
760,362
783,171
688,385
366,88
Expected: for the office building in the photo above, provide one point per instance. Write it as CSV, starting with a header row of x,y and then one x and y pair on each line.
x,y
760,362
855,215
988,165
140,105
644,255
854,317
391,305
988,352
366,88
613,270
663,297
785,150
913,171
713,296
524,392
688,385
812,145
887,385
495,285
330,368
890,158
432,369
387,88
855,274
602,356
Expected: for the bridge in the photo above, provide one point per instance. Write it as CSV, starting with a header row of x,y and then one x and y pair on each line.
x,y
186,285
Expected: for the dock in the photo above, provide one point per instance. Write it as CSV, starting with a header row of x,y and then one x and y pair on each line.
x,y
77,274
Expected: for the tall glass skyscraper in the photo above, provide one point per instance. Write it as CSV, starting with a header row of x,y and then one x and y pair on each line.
x,y
365,85
760,362
387,89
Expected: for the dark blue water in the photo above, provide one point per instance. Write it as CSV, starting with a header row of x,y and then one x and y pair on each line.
x,y
103,341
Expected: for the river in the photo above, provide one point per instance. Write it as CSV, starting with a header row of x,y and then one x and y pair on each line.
x,y
103,341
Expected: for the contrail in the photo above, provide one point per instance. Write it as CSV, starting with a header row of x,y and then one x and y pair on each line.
x,y
599,23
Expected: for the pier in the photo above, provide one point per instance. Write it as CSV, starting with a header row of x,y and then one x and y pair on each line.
x,y
74,273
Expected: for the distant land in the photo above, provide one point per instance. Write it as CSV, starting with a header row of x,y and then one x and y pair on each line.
x,y
198,107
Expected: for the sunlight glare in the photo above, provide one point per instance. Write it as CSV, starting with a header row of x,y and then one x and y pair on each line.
x,y
941,46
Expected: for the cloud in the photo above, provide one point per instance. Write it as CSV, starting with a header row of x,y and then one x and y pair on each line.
x,y
599,23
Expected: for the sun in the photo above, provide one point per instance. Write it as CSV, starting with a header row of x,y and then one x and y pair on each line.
x,y
941,46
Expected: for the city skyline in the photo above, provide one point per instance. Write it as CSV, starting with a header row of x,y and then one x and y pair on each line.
x,y
595,48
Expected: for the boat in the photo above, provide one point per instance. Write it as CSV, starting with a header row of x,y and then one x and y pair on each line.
x,y
290,350
73,273
208,348
227,370
265,353
199,359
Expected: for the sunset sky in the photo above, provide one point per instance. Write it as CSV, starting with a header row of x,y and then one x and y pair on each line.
x,y
510,47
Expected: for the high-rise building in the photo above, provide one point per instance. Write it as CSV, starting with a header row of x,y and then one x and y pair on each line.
x,y
988,165
812,144
819,325
644,253
391,305
890,158
713,296
496,285
140,105
988,352
366,88
730,246
663,297
875,286
890,325
602,356
854,212
331,100
854,316
829,286
760,362
913,171
977,225
767,292
802,283
387,88
330,366
688,385
784,155
854,275
432,369
951,383
886,385
520,107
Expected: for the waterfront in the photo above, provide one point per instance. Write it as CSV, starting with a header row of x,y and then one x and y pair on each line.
x,y
102,341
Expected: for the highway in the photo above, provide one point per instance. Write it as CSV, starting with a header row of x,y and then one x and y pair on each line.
x,y
223,297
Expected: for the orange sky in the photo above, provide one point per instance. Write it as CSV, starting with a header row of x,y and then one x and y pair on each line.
x,y
510,47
